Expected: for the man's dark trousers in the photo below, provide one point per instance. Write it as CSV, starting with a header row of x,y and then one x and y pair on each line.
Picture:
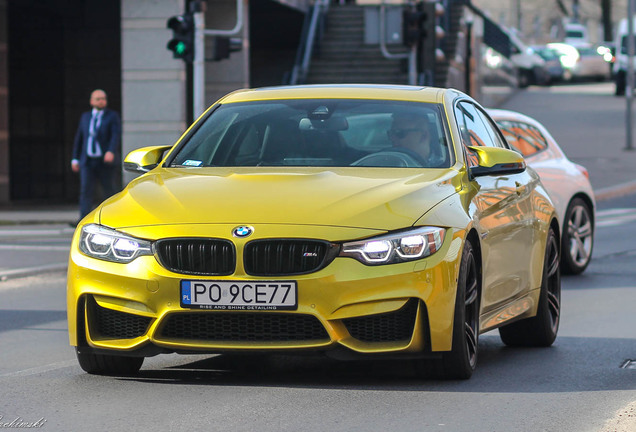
x,y
94,170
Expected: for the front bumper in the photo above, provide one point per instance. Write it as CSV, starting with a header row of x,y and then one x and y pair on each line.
x,y
134,309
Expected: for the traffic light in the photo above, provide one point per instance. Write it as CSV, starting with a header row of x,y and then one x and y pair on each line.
x,y
411,29
182,42
222,47
431,34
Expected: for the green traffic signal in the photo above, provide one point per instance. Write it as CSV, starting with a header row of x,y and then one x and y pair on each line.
x,y
180,48
182,42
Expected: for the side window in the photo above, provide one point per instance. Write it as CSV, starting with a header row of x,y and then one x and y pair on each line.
x,y
475,129
522,137
492,129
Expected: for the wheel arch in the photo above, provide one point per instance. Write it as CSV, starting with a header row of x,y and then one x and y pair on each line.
x,y
473,238
554,224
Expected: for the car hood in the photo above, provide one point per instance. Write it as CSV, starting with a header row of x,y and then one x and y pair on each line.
x,y
375,198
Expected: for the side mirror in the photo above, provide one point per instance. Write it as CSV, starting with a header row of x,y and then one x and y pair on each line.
x,y
144,159
493,161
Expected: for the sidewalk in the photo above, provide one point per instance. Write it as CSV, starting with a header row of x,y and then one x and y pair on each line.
x,y
38,214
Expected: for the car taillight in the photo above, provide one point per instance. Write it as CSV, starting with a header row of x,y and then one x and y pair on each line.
x,y
583,170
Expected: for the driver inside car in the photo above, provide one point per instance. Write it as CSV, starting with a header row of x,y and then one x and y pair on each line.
x,y
410,134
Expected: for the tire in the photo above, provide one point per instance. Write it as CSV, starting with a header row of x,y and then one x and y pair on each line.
x,y
524,78
578,238
541,330
460,362
620,83
99,364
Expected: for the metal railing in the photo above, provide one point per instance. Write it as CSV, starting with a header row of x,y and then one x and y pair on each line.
x,y
312,32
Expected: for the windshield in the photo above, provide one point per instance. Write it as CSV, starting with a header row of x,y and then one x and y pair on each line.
x,y
312,132
546,53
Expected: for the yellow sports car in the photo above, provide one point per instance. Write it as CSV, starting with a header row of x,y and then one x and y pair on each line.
x,y
359,221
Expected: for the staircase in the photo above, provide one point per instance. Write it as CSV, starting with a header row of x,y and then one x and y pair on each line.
x,y
343,57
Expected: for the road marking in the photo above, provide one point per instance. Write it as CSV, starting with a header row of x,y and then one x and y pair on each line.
x,y
31,271
40,369
33,232
34,247
614,217
623,421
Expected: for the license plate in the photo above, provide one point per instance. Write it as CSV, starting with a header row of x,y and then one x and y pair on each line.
x,y
239,295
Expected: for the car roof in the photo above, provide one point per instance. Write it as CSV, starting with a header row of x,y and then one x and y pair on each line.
x,y
509,115
341,91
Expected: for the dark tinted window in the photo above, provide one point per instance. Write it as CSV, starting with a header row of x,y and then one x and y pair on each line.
x,y
311,132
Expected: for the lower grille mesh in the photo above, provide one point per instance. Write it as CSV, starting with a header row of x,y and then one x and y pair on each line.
x,y
112,324
386,327
243,327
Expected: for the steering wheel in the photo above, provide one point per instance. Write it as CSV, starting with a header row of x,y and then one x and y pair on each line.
x,y
395,157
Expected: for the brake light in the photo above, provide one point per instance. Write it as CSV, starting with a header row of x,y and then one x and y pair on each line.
x,y
583,170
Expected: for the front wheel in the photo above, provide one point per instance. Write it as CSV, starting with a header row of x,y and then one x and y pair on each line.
x,y
541,330
460,362
100,364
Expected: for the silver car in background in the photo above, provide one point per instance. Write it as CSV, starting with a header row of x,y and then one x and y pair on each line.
x,y
567,183
583,62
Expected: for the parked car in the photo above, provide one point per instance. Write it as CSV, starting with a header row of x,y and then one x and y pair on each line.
x,y
567,183
553,66
353,220
531,67
583,62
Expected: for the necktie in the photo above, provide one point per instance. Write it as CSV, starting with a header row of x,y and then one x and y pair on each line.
x,y
93,149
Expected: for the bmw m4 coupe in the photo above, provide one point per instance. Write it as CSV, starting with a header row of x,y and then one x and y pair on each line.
x,y
357,221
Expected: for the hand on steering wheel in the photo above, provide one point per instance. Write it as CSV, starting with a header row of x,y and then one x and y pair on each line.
x,y
393,157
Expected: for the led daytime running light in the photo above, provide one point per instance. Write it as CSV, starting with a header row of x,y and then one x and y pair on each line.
x,y
394,248
104,243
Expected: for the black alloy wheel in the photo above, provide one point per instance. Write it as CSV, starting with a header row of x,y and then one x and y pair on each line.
x,y
461,361
471,305
541,330
578,237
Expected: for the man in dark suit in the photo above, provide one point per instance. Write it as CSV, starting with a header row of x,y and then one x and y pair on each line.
x,y
96,144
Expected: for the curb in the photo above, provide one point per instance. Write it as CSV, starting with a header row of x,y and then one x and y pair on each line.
x,y
615,191
32,271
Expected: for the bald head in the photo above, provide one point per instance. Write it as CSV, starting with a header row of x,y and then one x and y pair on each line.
x,y
98,99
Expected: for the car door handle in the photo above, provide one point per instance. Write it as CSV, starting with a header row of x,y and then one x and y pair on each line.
x,y
521,188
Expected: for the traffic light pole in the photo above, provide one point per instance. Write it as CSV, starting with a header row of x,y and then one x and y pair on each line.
x,y
629,89
198,65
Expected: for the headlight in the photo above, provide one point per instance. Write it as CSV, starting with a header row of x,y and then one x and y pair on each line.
x,y
395,248
106,244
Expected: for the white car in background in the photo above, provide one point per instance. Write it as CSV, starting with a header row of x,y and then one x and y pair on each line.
x,y
583,62
567,183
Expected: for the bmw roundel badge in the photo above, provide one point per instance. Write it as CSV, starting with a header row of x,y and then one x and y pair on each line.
x,y
242,231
